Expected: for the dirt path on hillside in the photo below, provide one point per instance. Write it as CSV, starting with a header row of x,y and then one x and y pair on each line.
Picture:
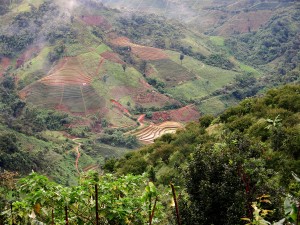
x,y
78,153
99,66
141,120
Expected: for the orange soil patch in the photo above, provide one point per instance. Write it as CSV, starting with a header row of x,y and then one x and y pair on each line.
x,y
96,21
144,97
141,118
184,114
27,55
150,133
4,64
143,52
120,107
111,56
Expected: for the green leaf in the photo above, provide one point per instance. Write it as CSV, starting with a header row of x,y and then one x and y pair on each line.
x,y
296,177
287,205
280,222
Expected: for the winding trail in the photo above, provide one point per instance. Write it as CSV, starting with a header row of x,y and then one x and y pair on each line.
x,y
141,120
78,154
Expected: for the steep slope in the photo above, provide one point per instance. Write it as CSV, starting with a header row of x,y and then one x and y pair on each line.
x,y
81,63
223,163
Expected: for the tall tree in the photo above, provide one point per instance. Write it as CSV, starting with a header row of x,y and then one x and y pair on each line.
x,y
181,57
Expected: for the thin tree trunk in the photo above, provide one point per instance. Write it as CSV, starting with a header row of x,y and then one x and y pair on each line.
x,y
150,209
298,215
11,213
97,206
66,212
152,213
176,204
52,215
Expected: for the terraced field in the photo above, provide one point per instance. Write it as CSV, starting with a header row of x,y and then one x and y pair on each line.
x,y
171,72
206,79
66,88
143,52
150,133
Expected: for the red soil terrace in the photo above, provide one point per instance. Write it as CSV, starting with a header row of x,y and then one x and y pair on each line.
x,y
143,52
120,107
184,114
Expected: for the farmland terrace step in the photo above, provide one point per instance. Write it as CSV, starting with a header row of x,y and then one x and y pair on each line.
x,y
148,132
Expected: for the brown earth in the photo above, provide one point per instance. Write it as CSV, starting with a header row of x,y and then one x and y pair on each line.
x,y
120,107
184,114
113,57
145,95
96,21
143,52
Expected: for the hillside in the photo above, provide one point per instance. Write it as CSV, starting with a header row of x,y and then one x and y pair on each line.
x,y
238,164
94,62
189,93
221,18
224,163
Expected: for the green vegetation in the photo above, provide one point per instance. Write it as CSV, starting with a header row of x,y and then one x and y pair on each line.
x,y
227,162
278,39
117,138
217,40
221,165
105,199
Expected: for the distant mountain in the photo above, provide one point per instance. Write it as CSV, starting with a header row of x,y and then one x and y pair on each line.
x,y
219,17
82,57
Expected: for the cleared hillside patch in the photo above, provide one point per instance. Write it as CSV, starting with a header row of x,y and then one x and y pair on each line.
x,y
215,105
113,57
182,115
171,72
89,62
115,75
102,48
96,20
143,52
66,88
215,75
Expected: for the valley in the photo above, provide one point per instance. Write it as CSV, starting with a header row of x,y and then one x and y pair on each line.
x,y
162,87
